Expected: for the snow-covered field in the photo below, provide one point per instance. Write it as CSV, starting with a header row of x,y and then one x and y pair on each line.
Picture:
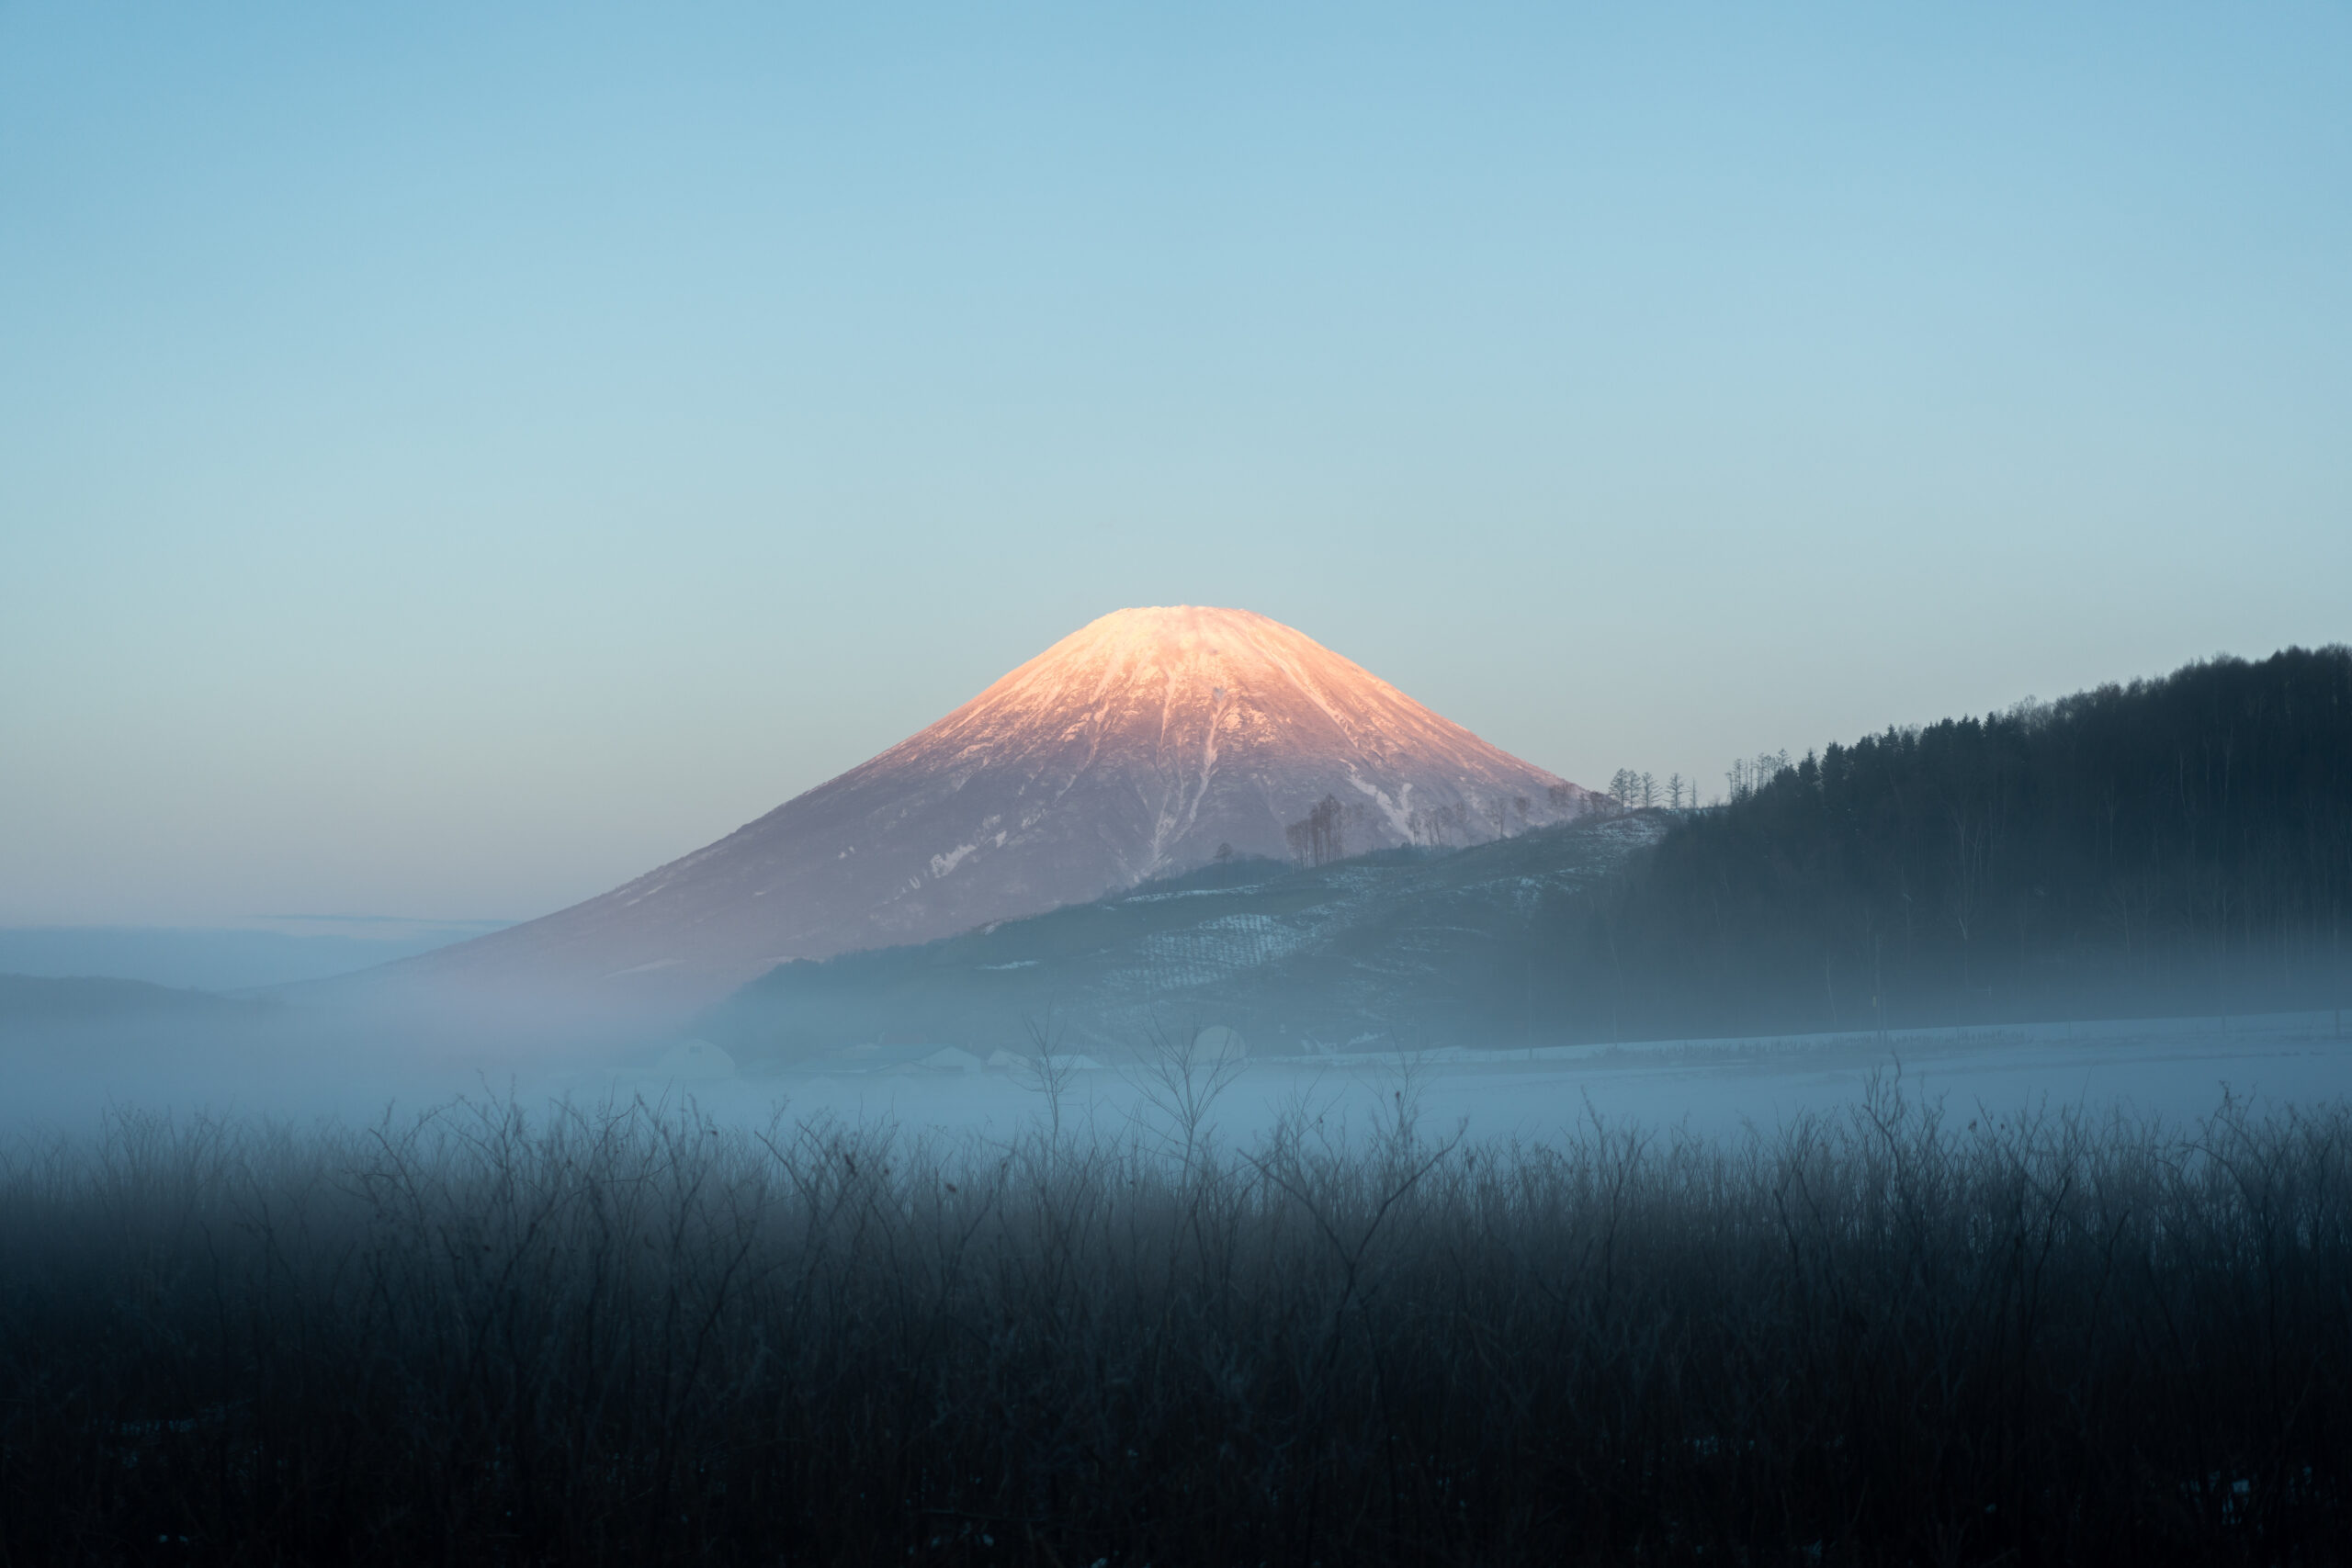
x,y
2175,1068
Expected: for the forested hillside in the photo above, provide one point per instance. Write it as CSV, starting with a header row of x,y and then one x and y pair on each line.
x,y
2183,843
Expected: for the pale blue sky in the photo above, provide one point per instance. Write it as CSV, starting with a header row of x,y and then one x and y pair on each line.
x,y
454,459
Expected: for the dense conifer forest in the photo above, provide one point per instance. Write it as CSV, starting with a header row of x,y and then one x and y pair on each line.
x,y
2177,844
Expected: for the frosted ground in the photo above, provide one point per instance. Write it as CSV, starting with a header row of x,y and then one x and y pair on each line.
x,y
2175,1068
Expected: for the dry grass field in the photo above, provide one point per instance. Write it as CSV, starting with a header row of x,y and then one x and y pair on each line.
x,y
628,1334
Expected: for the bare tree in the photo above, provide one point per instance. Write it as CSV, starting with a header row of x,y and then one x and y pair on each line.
x,y
1182,1081
1050,1071
1747,775
1320,837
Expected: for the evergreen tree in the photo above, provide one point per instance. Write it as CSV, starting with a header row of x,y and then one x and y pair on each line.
x,y
2175,843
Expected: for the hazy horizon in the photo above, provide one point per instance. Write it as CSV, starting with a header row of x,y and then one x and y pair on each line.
x,y
450,463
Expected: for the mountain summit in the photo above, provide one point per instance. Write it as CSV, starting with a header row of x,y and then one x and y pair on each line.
x,y
1149,741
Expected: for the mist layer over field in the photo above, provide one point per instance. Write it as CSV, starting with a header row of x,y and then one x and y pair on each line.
x,y
288,1065
291,1066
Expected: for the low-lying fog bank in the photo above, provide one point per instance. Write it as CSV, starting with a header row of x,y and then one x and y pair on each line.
x,y
298,1066
2170,1068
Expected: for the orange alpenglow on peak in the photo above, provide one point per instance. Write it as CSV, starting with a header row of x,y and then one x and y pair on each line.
x,y
1144,743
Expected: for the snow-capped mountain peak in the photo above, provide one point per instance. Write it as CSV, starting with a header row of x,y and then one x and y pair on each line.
x,y
1148,742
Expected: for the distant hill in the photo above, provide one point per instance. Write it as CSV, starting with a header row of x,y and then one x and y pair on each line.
x,y
29,1002
2182,844
1403,946
218,959
1135,748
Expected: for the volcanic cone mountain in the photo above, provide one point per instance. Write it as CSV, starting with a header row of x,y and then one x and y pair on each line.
x,y
1149,741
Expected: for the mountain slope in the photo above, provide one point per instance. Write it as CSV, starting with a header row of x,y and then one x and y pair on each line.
x,y
1413,946
1149,742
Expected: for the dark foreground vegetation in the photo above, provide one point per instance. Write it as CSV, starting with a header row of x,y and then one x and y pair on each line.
x,y
2181,844
631,1337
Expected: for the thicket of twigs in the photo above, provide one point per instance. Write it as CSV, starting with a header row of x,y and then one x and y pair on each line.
x,y
626,1336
